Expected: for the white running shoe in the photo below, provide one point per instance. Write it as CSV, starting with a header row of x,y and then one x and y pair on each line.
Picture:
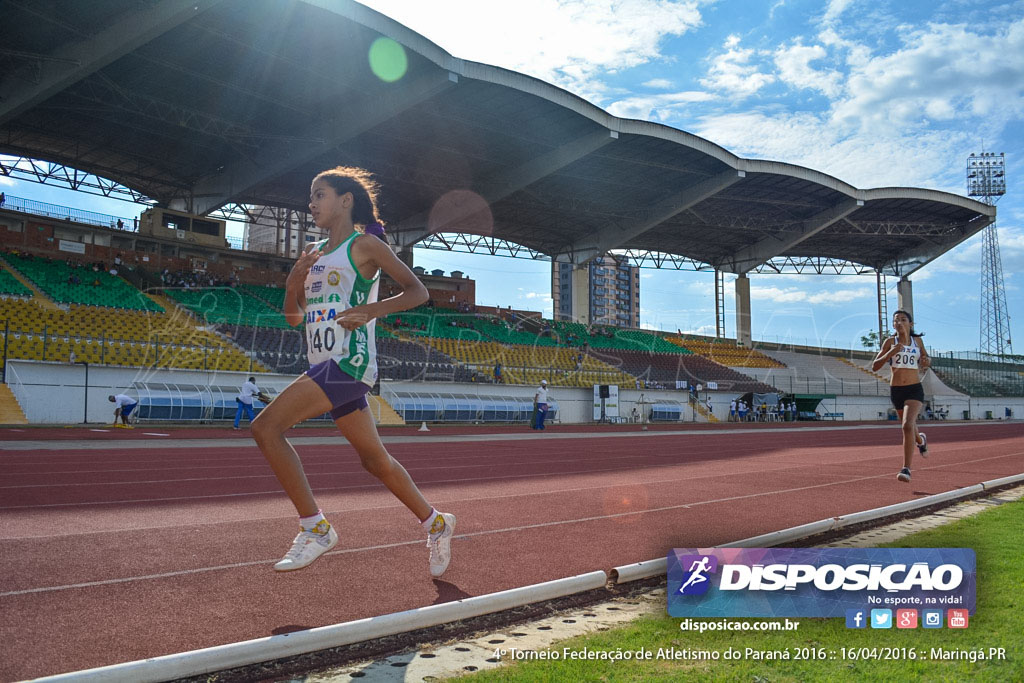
x,y
308,546
440,545
922,446
904,474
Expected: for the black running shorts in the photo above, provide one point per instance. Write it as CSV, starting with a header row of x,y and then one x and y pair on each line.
x,y
909,392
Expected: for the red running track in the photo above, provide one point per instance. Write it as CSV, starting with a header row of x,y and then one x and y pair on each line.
x,y
140,546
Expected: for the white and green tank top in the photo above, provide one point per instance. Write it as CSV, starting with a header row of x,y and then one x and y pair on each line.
x,y
332,286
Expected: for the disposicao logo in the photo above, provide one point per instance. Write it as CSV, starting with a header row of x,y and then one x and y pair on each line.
x,y
695,581
817,582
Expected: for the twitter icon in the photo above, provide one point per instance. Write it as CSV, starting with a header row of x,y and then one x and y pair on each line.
x,y
881,618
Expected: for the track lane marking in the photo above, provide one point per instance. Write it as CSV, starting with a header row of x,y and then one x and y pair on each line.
x,y
539,525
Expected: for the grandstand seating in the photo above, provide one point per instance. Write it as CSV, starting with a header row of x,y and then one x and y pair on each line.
x,y
529,364
229,305
115,337
726,352
93,287
10,286
979,378
666,370
577,334
281,350
271,295
819,373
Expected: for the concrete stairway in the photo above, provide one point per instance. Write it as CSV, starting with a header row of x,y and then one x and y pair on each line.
x,y
10,411
383,413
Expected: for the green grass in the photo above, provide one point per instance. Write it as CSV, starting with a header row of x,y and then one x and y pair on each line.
x,y
997,536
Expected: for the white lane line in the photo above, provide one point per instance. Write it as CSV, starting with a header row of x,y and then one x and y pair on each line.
x,y
111,444
409,465
507,456
439,481
539,525
488,497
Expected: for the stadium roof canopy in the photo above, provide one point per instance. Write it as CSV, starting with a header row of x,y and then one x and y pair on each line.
x,y
202,104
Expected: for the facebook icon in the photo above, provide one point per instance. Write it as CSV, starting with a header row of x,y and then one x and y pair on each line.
x,y
856,618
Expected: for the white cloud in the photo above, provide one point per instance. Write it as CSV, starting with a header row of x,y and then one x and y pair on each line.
x,y
833,297
903,118
659,83
944,72
966,258
733,72
570,43
835,8
657,107
794,65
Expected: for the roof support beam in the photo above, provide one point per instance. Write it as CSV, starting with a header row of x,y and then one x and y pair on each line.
x,y
766,248
915,259
411,230
73,62
619,234
213,192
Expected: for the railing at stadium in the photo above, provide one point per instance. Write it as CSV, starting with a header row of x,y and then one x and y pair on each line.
x,y
66,213
70,214
163,402
415,406
835,385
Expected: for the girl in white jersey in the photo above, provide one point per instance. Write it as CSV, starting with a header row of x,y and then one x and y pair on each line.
x,y
906,355
333,289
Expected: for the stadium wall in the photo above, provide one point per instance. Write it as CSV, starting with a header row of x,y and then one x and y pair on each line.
x,y
54,393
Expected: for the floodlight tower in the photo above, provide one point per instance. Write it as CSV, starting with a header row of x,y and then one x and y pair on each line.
x,y
986,178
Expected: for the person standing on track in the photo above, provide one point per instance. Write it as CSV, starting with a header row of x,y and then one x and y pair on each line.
x,y
540,404
906,356
333,288
248,391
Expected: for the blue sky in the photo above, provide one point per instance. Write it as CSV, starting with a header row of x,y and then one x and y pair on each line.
x,y
875,92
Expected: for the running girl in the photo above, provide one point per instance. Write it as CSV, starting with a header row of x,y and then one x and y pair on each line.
x,y
907,357
333,288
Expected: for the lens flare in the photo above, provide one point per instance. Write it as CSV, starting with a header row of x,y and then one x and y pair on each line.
x,y
624,499
387,60
461,211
